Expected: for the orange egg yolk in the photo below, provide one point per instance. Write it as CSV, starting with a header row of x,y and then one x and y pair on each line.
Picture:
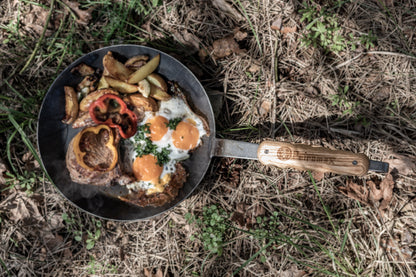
x,y
158,127
185,136
145,168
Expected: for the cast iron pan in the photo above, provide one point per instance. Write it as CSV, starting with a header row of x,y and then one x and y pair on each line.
x,y
54,136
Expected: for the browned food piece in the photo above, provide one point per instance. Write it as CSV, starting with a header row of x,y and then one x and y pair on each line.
x,y
88,84
115,68
120,86
141,102
87,100
144,87
144,71
136,62
84,120
140,198
97,154
71,105
83,70
158,94
157,80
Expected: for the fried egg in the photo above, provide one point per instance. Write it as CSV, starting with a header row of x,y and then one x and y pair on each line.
x,y
171,133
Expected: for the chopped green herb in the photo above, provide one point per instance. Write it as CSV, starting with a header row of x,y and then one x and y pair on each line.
x,y
144,146
173,123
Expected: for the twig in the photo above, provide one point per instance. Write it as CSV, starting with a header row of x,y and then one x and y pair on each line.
x,y
40,39
375,53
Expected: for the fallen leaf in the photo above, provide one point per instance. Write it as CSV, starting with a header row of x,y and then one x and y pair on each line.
x,y
404,165
355,191
149,273
265,107
84,16
224,47
372,195
396,250
239,35
407,237
34,21
3,170
254,68
23,208
227,8
188,39
318,175
277,24
287,30
239,218
293,271
202,54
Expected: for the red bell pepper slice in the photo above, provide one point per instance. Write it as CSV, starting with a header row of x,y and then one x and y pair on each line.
x,y
111,110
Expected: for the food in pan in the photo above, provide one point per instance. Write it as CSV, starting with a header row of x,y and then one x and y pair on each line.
x,y
137,129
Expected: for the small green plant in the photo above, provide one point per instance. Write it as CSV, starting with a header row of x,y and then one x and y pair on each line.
x,y
367,40
25,181
214,224
342,101
95,267
323,29
76,227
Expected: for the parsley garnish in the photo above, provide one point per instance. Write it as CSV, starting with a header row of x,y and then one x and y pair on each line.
x,y
144,146
173,123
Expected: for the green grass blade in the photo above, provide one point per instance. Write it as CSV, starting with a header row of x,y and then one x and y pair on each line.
x,y
252,257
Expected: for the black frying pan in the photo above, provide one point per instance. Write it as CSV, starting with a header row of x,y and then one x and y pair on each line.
x,y
54,136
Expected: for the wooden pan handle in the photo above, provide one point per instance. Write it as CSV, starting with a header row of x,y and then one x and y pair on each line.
x,y
306,157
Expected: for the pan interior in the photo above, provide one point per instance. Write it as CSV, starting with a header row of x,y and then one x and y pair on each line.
x,y
54,136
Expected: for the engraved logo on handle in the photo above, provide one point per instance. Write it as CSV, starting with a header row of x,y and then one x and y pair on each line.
x,y
286,153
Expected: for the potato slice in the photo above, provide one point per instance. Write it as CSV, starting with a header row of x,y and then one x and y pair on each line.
x,y
102,83
121,86
158,94
83,70
115,68
144,71
139,101
87,100
157,80
144,88
71,105
136,61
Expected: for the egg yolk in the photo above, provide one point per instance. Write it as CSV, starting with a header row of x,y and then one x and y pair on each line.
x,y
185,136
158,127
145,168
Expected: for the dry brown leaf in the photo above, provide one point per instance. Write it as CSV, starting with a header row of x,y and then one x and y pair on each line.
x,y
239,35
287,30
265,107
404,165
239,218
355,191
84,16
224,47
188,39
318,175
254,68
34,21
202,54
227,8
23,208
293,271
396,250
372,195
3,170
277,24
149,273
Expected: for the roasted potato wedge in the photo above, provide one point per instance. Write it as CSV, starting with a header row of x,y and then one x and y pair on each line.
x,y
83,70
102,83
144,71
115,68
157,80
136,61
144,88
71,105
158,94
87,100
139,101
121,86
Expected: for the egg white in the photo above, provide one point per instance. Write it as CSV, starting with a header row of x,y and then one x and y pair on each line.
x,y
170,109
